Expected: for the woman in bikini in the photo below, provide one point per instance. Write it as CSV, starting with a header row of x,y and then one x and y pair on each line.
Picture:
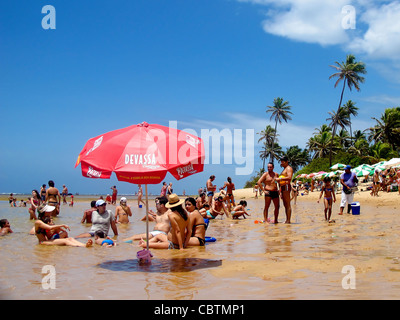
x,y
53,197
230,186
329,193
140,195
46,233
197,222
180,232
123,212
35,203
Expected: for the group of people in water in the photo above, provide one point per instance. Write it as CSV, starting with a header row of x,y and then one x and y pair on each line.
x,y
178,222
51,196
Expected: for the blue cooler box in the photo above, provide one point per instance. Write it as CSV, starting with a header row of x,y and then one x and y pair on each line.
x,y
355,208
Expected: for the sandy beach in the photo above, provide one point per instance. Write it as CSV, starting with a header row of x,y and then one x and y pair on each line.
x,y
308,259
386,199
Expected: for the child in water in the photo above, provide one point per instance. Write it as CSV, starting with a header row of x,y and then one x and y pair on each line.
x,y
71,204
5,227
102,240
329,195
240,210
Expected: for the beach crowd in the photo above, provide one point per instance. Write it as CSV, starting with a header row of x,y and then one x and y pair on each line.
x,y
182,222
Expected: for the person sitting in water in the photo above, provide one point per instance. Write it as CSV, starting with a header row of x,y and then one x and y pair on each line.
x,y
5,227
217,208
162,221
87,215
56,233
205,211
102,220
102,240
197,222
201,200
180,232
240,210
42,230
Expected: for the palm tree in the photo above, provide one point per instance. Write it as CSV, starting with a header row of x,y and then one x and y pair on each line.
x,y
360,148
343,139
358,134
322,128
339,118
381,151
279,112
267,135
387,128
297,157
319,145
351,110
274,152
349,72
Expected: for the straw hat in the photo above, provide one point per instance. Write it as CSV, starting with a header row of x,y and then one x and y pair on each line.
x,y
173,201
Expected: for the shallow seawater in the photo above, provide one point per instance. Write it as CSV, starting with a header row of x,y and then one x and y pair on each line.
x,y
249,260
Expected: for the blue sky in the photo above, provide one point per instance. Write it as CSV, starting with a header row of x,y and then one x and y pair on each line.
x,y
205,64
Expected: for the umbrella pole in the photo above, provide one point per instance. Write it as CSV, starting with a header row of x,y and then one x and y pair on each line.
x,y
147,219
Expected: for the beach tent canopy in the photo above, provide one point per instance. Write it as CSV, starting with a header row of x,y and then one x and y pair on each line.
x,y
392,163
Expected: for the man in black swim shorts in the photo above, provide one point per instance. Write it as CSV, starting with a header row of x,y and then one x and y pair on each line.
x,y
271,192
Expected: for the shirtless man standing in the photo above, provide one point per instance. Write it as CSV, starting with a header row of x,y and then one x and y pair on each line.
x,y
114,195
210,189
270,190
162,222
53,198
64,194
285,186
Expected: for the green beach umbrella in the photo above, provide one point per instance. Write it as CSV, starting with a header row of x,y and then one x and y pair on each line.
x,y
363,172
380,166
364,167
334,173
337,166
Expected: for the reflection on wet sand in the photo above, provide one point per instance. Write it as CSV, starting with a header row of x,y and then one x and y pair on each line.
x,y
161,265
248,261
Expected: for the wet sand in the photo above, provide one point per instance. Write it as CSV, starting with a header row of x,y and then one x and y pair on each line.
x,y
249,261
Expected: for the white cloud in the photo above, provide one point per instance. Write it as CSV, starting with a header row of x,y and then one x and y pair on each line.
x,y
381,40
311,21
385,100
377,33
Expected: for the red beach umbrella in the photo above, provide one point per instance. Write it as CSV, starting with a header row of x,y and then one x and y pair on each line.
x,y
142,154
